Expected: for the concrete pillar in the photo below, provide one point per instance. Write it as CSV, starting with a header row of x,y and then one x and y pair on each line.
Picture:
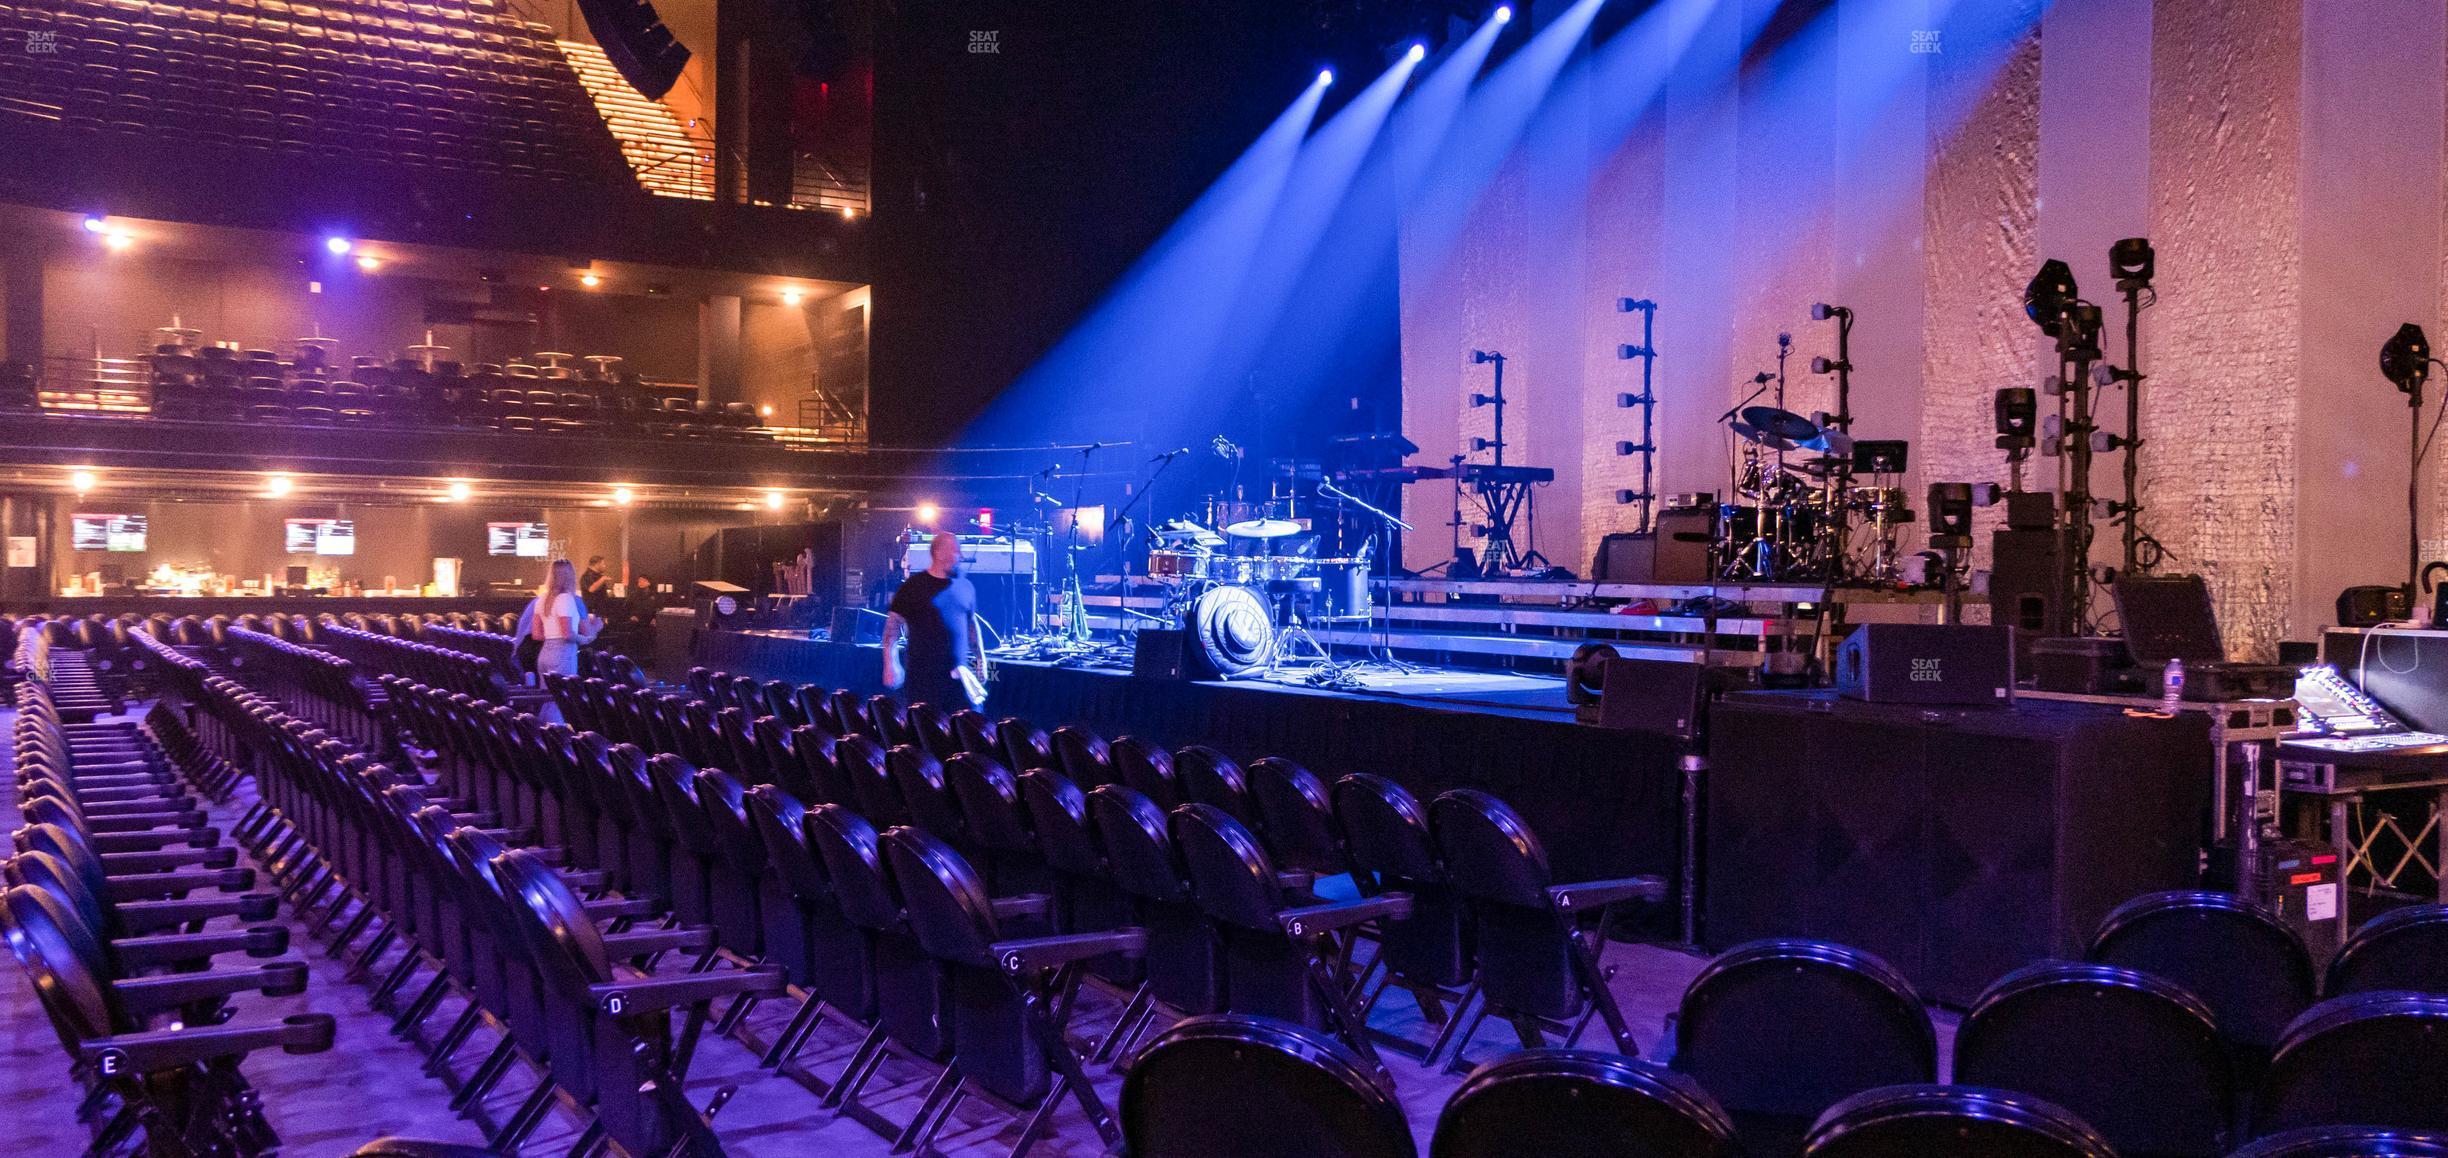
x,y
21,289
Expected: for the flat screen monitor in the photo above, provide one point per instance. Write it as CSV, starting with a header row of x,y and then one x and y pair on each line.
x,y
319,536
525,540
107,532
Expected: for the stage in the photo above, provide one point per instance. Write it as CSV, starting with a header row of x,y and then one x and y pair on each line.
x,y
1605,803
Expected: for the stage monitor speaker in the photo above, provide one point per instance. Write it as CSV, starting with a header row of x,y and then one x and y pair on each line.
x,y
1927,663
1170,653
1645,695
1625,557
858,625
2027,587
648,56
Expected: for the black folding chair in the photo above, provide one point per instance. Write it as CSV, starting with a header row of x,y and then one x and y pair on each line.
x,y
2365,1059
1228,1086
1921,1121
1562,1103
2133,1055
2400,949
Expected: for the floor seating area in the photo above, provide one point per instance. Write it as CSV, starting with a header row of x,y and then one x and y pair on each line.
x,y
456,86
223,384
969,934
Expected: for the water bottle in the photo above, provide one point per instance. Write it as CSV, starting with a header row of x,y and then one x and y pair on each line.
x,y
2171,687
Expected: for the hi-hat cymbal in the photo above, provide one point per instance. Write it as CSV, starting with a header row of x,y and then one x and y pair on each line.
x,y
1263,529
1750,433
1784,424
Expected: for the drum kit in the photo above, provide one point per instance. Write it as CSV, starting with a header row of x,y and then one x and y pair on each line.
x,y
1794,513
1247,564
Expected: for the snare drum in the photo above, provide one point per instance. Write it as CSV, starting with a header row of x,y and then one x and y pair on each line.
x,y
1252,570
1167,566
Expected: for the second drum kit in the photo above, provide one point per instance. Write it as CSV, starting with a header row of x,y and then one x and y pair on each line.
x,y
1793,511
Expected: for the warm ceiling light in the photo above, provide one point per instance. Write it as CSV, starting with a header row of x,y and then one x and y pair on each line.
x,y
849,212
927,513
368,262
623,495
118,240
81,481
457,491
773,500
589,280
765,411
792,297
278,485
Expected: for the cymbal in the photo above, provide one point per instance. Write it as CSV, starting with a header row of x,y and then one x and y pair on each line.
x,y
1783,423
1750,433
1263,529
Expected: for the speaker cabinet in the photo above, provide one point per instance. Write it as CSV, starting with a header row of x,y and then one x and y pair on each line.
x,y
1171,653
637,43
1925,663
2026,587
1677,552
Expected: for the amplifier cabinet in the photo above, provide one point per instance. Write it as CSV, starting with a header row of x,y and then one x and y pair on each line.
x,y
1955,843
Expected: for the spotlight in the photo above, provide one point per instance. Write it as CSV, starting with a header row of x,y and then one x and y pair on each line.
x,y
2050,297
927,512
337,245
1418,53
773,500
2405,358
2018,416
2132,260
849,212
279,486
458,492
368,262
96,225
623,496
1504,14
765,411
589,280
1325,77
792,297
81,481
118,241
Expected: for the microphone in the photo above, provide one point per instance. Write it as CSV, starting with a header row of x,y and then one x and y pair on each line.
x,y
1170,454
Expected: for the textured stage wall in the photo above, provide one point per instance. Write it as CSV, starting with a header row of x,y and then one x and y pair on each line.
x,y
2284,156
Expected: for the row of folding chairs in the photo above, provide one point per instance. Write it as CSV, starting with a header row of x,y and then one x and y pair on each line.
x,y
438,665
569,983
66,674
318,685
119,898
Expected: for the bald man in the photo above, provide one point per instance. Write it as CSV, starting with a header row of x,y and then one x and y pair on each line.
x,y
936,612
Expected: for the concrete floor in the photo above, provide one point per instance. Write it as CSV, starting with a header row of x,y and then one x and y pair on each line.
x,y
370,1083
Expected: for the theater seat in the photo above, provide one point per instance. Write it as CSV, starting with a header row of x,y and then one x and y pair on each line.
x,y
2364,1059
1924,1121
1192,1093
1560,1102
2133,1055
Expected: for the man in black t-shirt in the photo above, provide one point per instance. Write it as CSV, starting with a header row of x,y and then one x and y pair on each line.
x,y
936,612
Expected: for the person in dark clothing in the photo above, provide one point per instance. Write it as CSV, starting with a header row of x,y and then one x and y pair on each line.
x,y
594,582
935,611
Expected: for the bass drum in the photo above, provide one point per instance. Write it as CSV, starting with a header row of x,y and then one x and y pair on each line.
x,y
1231,625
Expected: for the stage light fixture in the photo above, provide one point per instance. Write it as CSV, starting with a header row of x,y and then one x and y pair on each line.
x,y
926,513
1479,400
1418,52
589,280
1504,14
279,485
81,481
773,500
338,246
117,241
2050,297
623,496
96,225
1325,77
2132,260
2405,359
792,297
849,212
368,262
457,492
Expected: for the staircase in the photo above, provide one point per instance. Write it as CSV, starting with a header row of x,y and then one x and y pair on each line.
x,y
670,159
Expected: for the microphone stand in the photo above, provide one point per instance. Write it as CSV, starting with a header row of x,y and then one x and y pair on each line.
x,y
1122,549
1388,523
1075,601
